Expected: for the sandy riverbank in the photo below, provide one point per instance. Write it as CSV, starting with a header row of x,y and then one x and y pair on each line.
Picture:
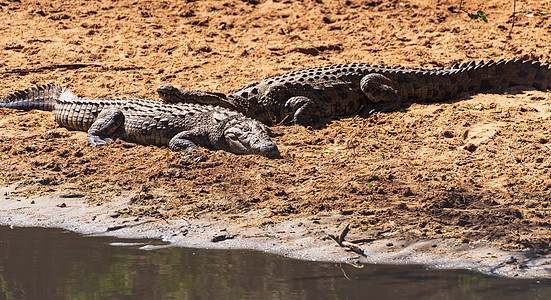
x,y
473,171
302,237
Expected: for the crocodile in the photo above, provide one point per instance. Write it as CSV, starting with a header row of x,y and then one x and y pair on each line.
x,y
180,126
312,97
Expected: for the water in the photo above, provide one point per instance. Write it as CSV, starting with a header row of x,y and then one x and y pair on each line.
x,y
38,263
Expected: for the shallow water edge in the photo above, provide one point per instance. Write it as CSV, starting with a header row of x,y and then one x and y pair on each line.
x,y
302,238
46,263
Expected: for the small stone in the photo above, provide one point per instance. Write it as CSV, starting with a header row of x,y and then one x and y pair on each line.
x,y
511,260
223,237
470,147
448,134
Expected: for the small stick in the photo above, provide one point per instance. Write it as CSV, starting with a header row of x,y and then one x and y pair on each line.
x,y
514,11
53,67
534,12
341,242
359,241
344,273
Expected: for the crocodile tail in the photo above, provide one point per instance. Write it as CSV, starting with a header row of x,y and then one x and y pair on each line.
x,y
41,97
525,72
506,73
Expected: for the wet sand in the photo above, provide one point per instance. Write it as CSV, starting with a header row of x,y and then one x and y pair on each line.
x,y
303,237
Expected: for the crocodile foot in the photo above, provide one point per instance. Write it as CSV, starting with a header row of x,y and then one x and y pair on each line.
x,y
107,123
96,140
304,110
379,89
183,145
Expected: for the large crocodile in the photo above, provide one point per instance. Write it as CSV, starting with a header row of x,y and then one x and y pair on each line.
x,y
181,126
313,96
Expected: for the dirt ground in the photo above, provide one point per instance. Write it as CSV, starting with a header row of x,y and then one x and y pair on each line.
x,y
475,168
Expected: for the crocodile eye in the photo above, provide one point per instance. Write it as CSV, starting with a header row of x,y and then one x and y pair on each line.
x,y
231,135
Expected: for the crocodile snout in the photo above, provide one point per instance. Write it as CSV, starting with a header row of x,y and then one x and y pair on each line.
x,y
270,150
265,148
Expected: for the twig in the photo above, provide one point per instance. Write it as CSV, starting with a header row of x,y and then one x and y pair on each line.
x,y
53,67
514,16
514,158
344,273
341,241
359,241
534,12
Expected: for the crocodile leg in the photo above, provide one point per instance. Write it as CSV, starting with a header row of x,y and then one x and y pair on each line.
x,y
305,111
108,122
183,141
379,89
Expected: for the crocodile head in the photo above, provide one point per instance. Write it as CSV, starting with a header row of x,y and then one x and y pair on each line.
x,y
247,136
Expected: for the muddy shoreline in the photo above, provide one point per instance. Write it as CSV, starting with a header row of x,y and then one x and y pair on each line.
x,y
302,237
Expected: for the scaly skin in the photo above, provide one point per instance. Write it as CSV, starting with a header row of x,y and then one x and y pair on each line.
x,y
311,97
180,126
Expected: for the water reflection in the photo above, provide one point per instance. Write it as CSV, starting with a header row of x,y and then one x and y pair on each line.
x,y
54,264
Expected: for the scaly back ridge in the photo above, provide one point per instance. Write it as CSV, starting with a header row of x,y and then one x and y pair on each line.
x,y
41,97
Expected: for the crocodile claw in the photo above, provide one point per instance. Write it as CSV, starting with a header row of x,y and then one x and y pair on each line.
x,y
96,140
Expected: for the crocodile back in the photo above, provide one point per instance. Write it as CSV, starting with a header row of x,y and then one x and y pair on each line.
x,y
145,121
336,89
424,85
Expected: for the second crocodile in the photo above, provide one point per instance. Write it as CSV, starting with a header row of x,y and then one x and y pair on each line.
x,y
311,97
